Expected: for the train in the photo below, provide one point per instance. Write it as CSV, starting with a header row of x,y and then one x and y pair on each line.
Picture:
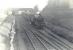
x,y
37,21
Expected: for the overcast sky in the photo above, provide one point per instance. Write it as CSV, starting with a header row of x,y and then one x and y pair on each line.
x,y
25,3
22,3
4,4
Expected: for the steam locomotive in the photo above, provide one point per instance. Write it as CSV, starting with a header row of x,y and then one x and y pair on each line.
x,y
38,21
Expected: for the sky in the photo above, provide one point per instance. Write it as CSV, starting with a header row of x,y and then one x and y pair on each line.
x,y
4,4
22,3
25,3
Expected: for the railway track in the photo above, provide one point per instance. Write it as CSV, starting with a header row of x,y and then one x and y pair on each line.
x,y
45,39
55,42
65,33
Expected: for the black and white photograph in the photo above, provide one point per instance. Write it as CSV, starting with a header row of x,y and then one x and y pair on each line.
x,y
36,24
